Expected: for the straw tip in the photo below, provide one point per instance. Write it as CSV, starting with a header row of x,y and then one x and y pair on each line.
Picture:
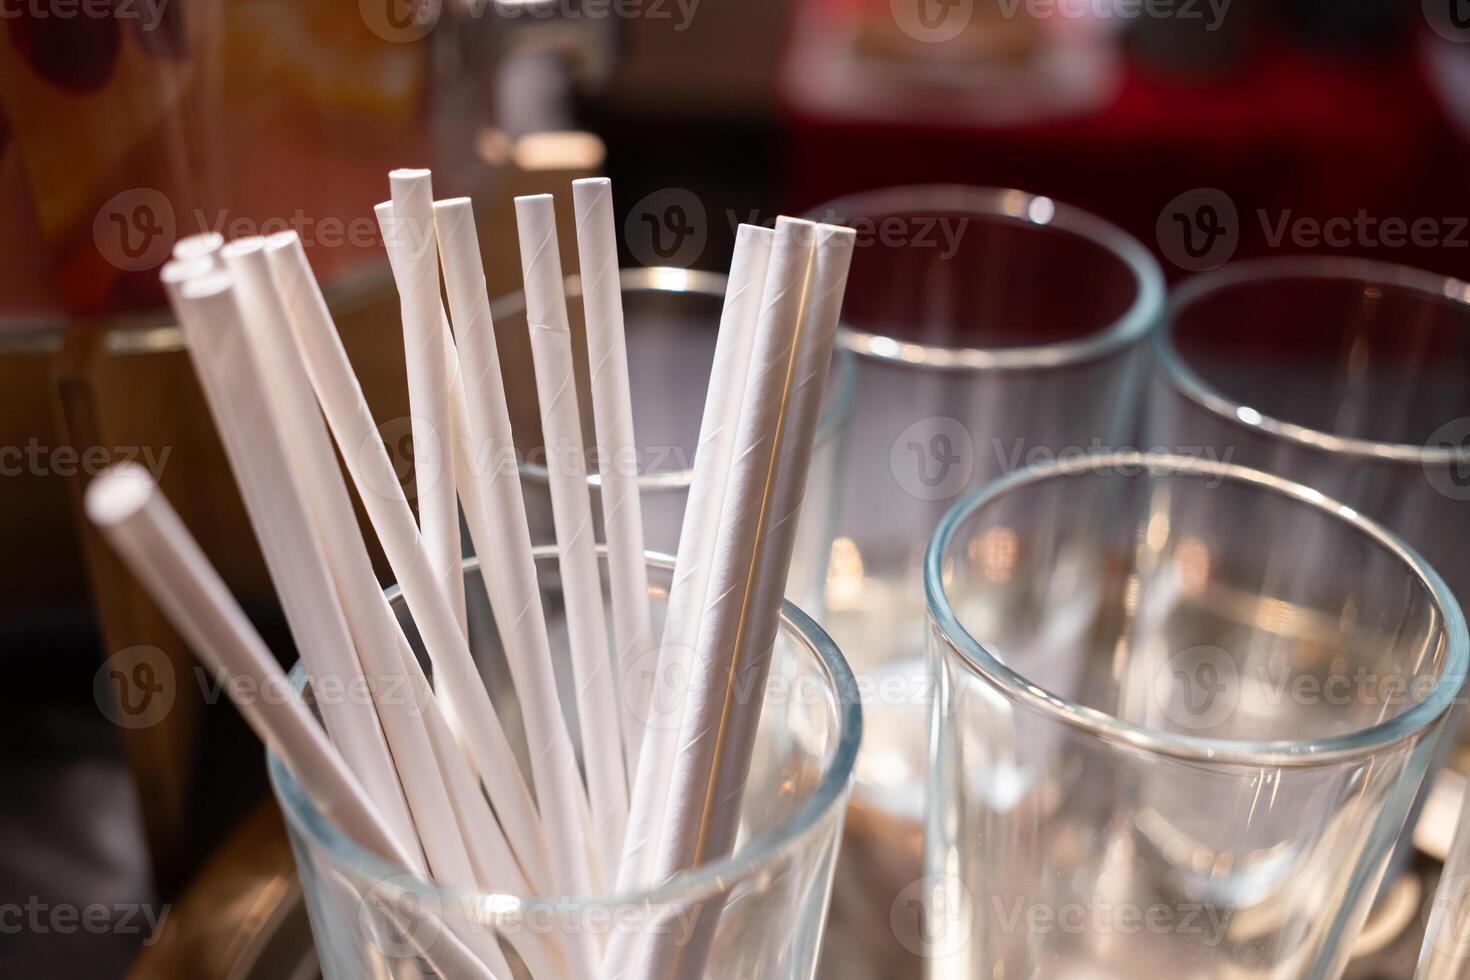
x,y
746,232
839,235
533,200
383,208
799,231
203,244
207,286
451,204
118,494
409,174
177,271
592,183
248,245
282,240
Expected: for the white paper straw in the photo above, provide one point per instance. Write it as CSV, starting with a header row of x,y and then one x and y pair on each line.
x,y
825,290
126,505
551,349
176,272
494,863
408,235
716,446
684,841
232,379
498,526
374,629
462,693
612,412
828,282
203,245
503,540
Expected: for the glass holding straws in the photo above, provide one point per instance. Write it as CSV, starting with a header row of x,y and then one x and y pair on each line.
x,y
371,920
1185,709
991,328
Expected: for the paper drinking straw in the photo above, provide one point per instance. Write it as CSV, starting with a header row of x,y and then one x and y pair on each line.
x,y
828,284
576,950
254,441
408,235
696,551
503,540
683,843
736,550
461,691
612,412
571,506
176,272
309,446
495,864
457,421
464,845
203,245
561,801
744,698
126,504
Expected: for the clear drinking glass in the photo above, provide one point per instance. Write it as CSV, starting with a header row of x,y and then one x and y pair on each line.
x,y
1184,710
671,320
769,898
991,328
1343,374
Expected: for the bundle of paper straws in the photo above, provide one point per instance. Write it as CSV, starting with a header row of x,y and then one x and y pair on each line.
x,y
431,783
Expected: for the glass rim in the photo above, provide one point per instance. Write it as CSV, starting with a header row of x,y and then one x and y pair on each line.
x,y
841,381
1012,205
1195,748
156,331
825,802
1185,380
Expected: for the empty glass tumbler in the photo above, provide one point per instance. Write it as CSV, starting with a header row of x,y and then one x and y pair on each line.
x,y
671,321
1184,709
767,902
991,328
1343,374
